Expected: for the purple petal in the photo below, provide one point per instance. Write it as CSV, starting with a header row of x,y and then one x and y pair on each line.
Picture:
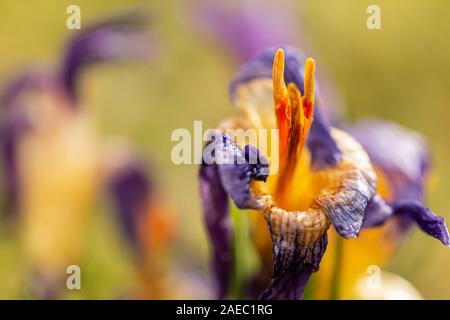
x,y
226,171
352,186
430,223
293,269
118,38
323,148
131,188
235,168
11,128
13,124
377,212
404,158
400,153
218,225
24,82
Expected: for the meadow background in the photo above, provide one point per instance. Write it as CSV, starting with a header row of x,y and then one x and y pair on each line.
x,y
401,73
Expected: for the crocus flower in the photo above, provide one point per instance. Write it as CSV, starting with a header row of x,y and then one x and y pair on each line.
x,y
49,151
324,178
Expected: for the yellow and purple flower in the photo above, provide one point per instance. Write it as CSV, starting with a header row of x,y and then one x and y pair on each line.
x,y
325,177
49,150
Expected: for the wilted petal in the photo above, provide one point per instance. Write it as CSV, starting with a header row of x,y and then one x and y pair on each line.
x,y
323,149
400,153
118,38
403,157
226,171
429,222
298,264
235,169
354,182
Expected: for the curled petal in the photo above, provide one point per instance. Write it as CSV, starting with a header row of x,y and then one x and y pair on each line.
x,y
351,185
236,168
401,154
258,163
324,151
430,223
118,38
404,159
227,171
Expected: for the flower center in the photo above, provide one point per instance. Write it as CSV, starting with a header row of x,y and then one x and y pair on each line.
x,y
294,116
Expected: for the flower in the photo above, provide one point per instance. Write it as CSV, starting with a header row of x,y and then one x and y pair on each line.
x,y
325,177
116,38
49,151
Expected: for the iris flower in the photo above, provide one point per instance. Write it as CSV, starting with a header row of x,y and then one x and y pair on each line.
x,y
49,149
324,178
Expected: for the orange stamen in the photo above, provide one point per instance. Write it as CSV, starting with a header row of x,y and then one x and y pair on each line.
x,y
297,125
308,98
282,103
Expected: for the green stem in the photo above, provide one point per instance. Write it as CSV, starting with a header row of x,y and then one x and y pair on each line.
x,y
244,257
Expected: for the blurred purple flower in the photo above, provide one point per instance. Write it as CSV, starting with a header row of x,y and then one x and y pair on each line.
x,y
248,26
117,38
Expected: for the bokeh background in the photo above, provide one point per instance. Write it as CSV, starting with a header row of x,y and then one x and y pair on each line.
x,y
401,73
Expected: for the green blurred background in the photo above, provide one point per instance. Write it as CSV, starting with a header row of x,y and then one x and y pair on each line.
x,y
401,73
